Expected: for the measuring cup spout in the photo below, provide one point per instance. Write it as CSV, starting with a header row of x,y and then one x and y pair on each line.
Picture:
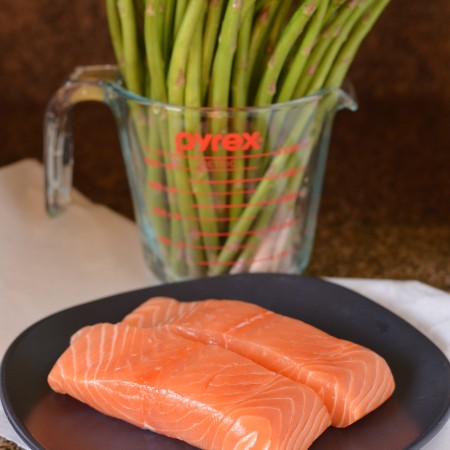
x,y
347,97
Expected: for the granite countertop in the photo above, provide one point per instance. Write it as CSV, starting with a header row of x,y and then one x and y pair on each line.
x,y
386,201
5,444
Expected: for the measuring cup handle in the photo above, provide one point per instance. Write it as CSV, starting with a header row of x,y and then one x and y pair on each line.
x,y
85,84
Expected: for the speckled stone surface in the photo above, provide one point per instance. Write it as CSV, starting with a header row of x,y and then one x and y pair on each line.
x,y
5,444
386,201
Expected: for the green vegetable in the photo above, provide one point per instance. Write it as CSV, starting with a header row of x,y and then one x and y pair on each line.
x,y
231,54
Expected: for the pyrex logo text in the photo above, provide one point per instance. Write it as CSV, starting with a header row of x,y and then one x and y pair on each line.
x,y
231,142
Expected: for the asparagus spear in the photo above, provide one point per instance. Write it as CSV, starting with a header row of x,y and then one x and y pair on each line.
x,y
176,81
115,32
347,54
328,59
132,64
221,81
155,60
304,51
156,71
212,26
180,10
265,33
333,8
240,91
198,167
329,33
168,26
224,56
268,86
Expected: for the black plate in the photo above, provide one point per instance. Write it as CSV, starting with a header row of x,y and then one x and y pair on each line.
x,y
414,414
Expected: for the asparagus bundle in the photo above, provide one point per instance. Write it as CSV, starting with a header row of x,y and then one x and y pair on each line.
x,y
222,62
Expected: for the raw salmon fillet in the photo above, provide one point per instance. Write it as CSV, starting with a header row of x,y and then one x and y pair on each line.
x,y
352,380
205,395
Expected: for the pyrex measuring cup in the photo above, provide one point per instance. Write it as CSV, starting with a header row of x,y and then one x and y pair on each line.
x,y
215,191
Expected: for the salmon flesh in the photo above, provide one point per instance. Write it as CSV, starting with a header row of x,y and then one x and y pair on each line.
x,y
351,380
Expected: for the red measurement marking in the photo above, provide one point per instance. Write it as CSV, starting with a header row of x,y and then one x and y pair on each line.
x,y
281,151
230,169
166,214
173,190
286,174
248,262
167,242
284,199
207,166
154,163
282,226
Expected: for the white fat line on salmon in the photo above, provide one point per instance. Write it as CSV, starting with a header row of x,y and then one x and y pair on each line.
x,y
249,441
251,320
189,401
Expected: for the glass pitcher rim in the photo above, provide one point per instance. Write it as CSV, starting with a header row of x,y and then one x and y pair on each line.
x,y
346,91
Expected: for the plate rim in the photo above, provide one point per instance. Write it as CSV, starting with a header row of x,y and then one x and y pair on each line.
x,y
22,431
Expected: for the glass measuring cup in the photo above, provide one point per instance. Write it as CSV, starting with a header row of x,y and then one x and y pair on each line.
x,y
215,191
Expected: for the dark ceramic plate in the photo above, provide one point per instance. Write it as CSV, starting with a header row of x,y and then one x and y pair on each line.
x,y
414,414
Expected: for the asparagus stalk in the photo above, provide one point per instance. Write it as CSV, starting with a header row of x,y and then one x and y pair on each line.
x,y
268,87
224,55
297,67
168,25
221,81
155,60
155,66
240,91
132,64
133,71
267,26
241,77
347,54
212,26
180,10
155,199
148,140
115,31
176,94
139,7
278,23
303,52
327,61
330,32
198,167
333,8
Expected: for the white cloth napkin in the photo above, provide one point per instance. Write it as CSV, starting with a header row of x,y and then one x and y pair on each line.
x,y
49,264
90,252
